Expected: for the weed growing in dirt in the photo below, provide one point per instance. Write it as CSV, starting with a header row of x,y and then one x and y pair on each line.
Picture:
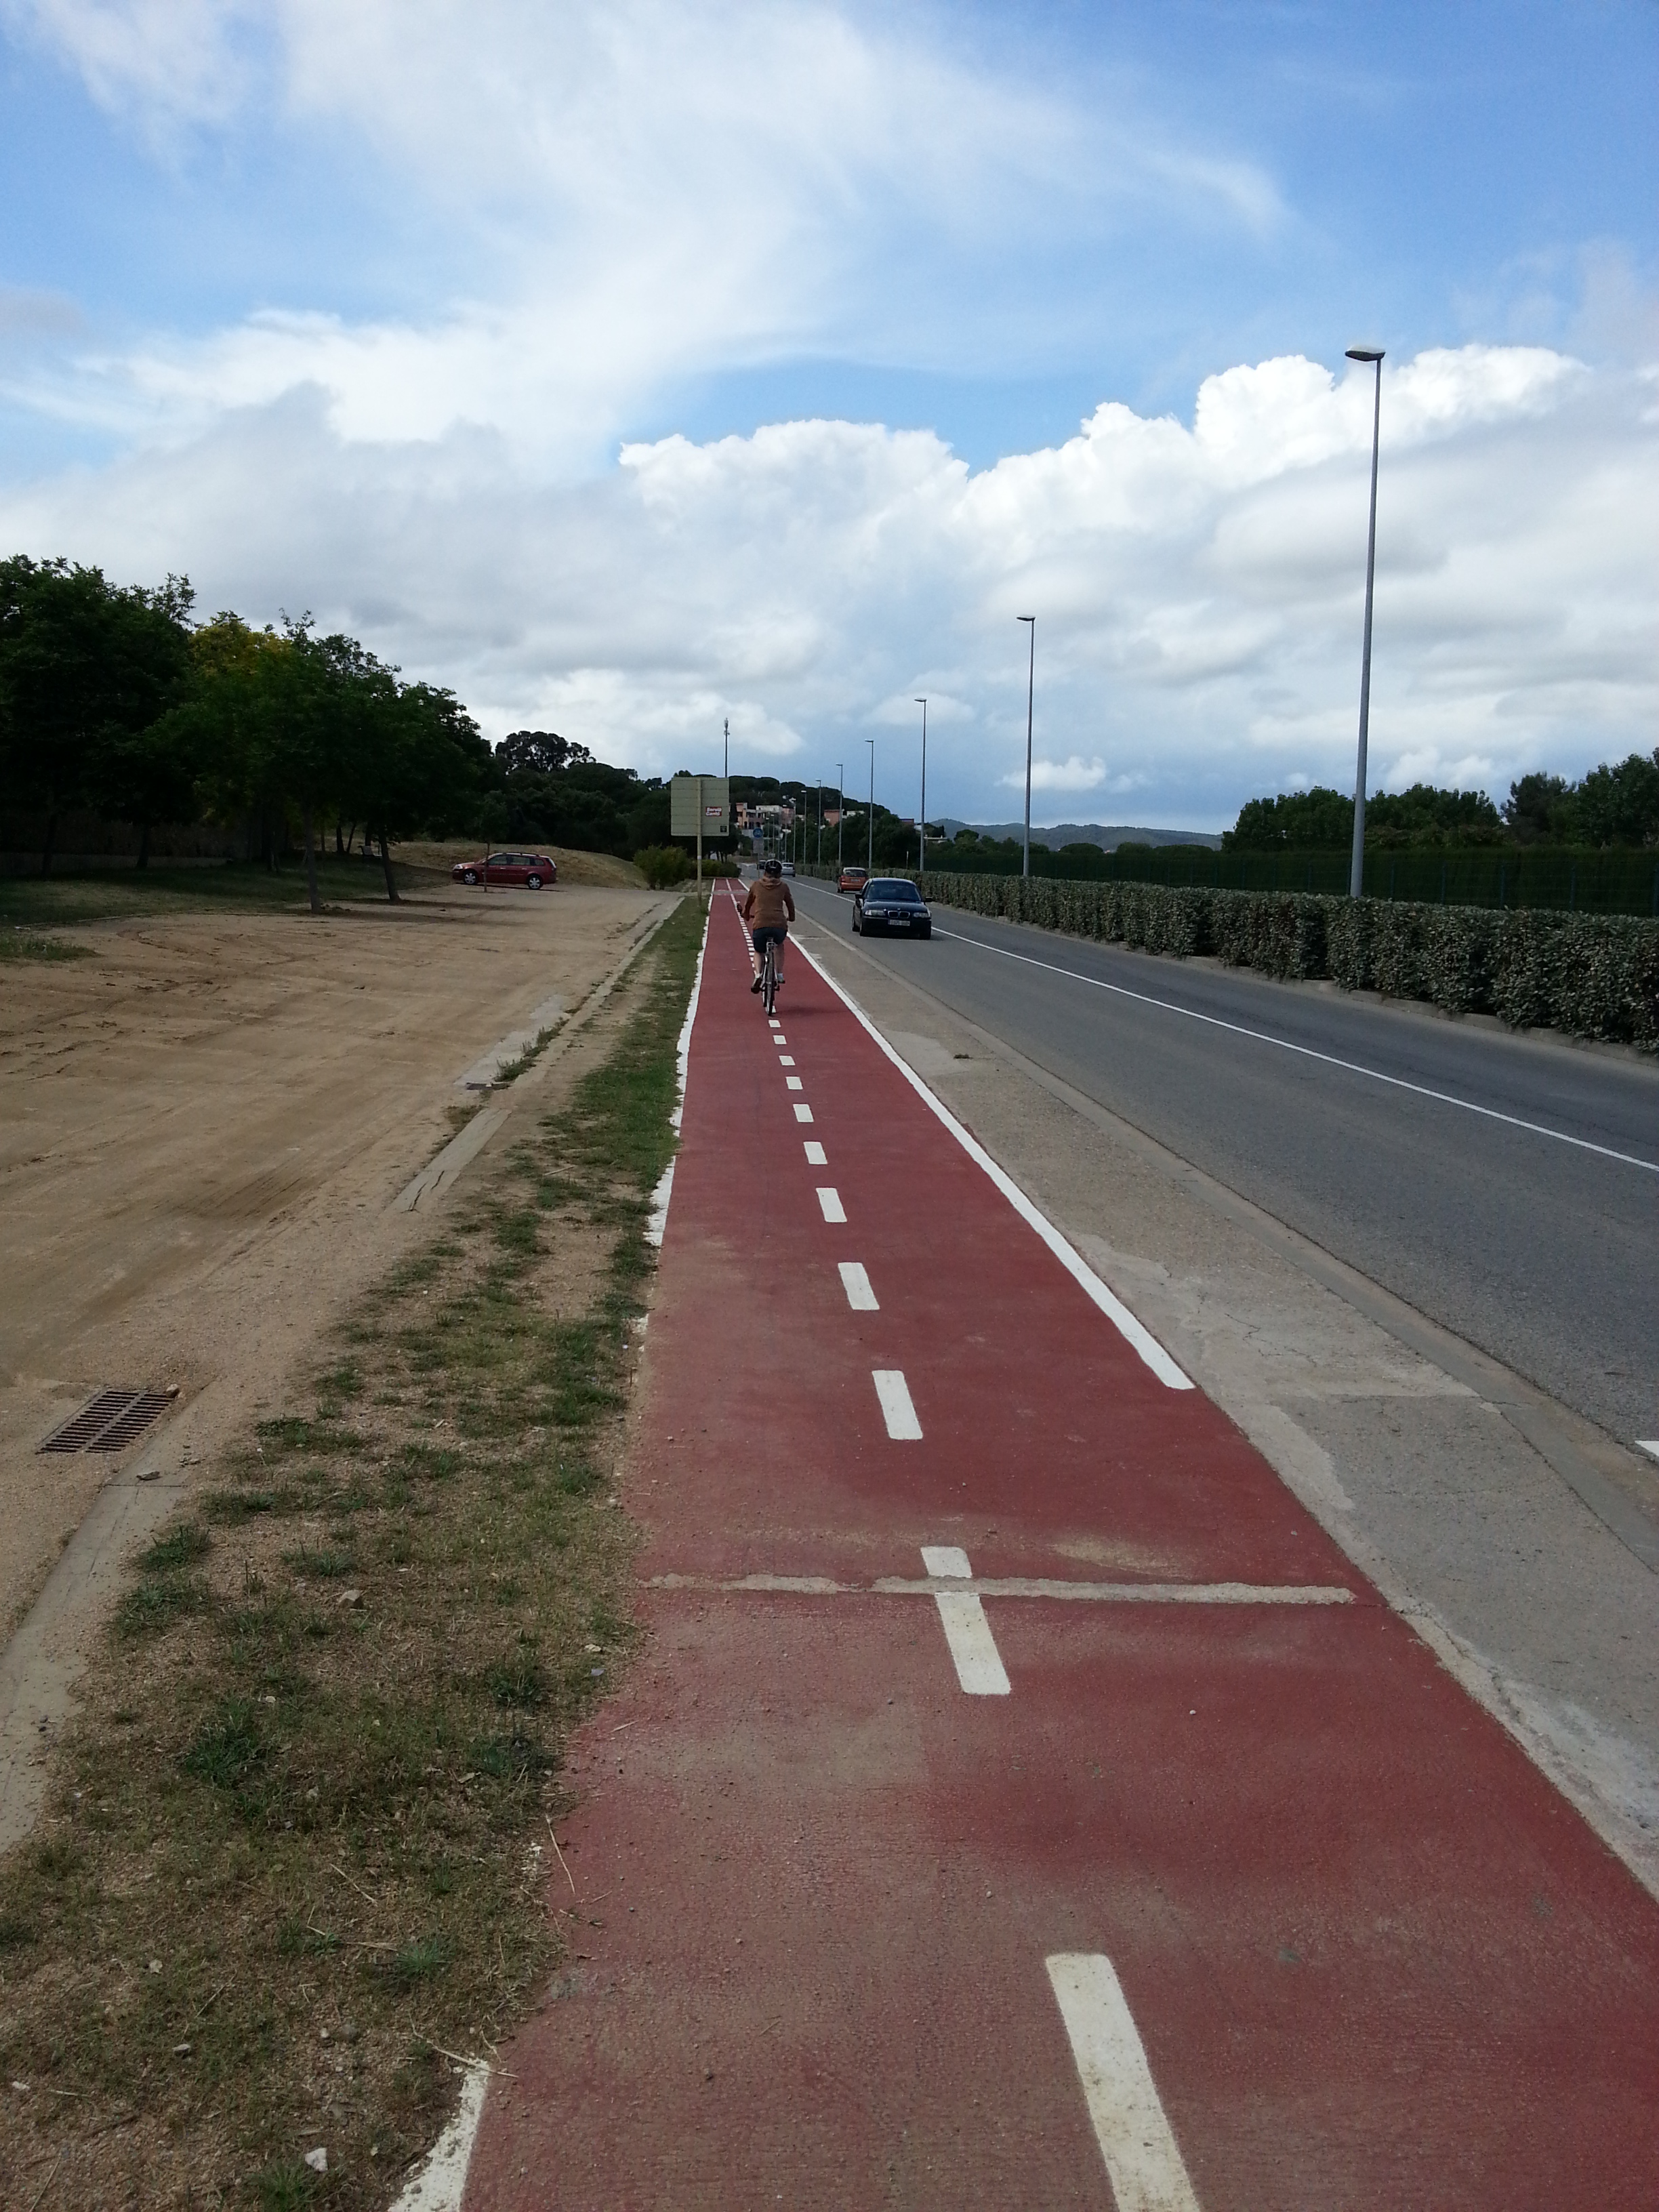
x,y
20,943
294,1854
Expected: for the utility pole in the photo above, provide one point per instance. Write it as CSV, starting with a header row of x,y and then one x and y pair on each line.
x,y
1357,864
922,849
870,868
1030,692
841,812
726,759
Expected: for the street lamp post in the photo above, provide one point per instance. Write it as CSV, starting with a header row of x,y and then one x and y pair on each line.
x,y
870,853
1031,693
841,812
725,766
922,849
1356,866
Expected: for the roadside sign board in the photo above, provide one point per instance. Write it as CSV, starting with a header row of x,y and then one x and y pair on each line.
x,y
700,800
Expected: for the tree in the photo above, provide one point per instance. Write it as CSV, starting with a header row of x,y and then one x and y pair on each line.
x,y
88,670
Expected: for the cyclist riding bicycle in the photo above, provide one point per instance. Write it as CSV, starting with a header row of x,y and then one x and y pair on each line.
x,y
768,910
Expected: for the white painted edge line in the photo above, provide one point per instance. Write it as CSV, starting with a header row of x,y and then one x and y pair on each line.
x,y
829,1202
856,1284
656,1227
897,1411
1647,1444
1143,2158
660,1197
441,2182
972,1648
803,1113
1306,1052
1135,1332
816,1154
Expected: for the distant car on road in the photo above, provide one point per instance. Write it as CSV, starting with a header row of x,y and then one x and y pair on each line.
x,y
890,903
789,867
852,879
532,870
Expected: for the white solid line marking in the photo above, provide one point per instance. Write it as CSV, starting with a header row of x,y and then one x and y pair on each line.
x,y
1142,2156
856,1284
816,1154
660,1197
1307,1052
1647,1444
830,1200
803,1113
1026,1586
441,2182
794,1082
1140,1339
978,1662
899,1413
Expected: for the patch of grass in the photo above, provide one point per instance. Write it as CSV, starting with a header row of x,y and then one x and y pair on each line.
x,y
180,1547
157,1603
19,943
111,894
324,1813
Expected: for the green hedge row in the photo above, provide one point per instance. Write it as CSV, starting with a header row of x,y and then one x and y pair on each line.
x,y
1593,976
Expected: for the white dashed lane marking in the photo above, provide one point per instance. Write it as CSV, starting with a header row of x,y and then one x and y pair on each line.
x,y
773,1023
786,1058
830,1200
803,1113
856,1284
979,1663
1143,2158
899,1413
794,1082
816,1154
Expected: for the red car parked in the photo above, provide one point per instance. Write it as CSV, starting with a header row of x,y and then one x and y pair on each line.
x,y
532,870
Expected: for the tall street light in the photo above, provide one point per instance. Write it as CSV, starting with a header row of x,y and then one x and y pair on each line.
x,y
921,850
870,869
841,811
1356,866
1030,692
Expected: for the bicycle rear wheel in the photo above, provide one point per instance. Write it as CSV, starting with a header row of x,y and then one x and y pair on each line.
x,y
768,980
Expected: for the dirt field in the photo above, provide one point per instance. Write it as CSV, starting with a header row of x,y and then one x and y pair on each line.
x,y
203,1131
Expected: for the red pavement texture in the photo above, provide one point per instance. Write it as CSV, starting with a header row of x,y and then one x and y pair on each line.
x,y
1374,1959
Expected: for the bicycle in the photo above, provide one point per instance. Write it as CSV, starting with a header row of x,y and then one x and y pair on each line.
x,y
769,976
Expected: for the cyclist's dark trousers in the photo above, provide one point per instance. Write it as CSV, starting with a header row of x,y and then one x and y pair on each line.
x,y
774,934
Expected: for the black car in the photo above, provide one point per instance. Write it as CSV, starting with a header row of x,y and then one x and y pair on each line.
x,y
889,903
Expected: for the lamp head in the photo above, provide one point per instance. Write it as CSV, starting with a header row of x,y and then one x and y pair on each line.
x,y
1029,618
1365,353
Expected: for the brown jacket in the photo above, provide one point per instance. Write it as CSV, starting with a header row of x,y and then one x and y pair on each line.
x,y
769,902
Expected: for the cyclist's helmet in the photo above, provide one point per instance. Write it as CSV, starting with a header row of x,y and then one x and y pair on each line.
x,y
773,868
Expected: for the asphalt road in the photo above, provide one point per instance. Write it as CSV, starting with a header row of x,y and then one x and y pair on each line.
x,y
1544,1253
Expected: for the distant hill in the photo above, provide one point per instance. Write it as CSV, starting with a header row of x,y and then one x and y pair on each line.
x,y
1108,835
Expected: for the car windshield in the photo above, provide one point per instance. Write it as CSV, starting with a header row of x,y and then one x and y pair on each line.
x,y
897,893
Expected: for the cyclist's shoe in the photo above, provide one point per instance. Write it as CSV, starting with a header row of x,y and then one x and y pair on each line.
x,y
754,989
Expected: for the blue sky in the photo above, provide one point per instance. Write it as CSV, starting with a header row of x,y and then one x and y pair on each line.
x,y
508,335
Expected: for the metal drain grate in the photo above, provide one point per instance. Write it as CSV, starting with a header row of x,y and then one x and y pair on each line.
x,y
110,1422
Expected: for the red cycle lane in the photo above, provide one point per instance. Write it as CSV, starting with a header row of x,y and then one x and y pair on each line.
x,y
1127,1836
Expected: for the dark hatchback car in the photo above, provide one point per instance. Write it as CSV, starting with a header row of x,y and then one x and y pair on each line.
x,y
888,903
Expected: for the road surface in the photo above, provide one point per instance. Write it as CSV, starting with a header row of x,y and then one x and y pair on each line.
x,y
1543,1252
